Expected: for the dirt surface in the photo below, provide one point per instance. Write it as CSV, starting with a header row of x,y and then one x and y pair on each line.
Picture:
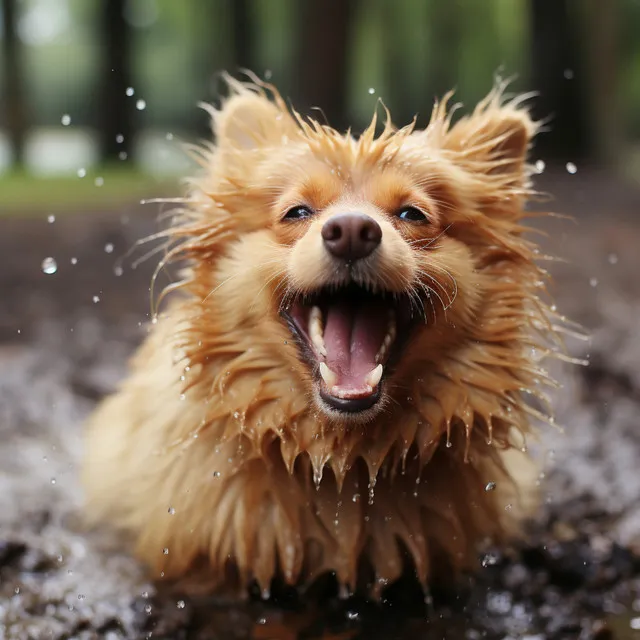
x,y
64,340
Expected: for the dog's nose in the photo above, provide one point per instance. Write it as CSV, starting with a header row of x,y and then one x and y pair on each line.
x,y
351,236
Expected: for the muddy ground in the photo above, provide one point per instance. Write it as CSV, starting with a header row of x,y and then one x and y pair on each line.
x,y
64,340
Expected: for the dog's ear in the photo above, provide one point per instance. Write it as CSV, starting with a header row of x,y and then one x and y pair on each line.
x,y
494,139
249,120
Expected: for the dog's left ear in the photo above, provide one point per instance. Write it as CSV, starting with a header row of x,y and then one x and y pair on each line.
x,y
249,120
494,139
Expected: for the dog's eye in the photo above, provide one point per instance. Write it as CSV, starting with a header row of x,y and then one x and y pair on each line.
x,y
298,213
411,214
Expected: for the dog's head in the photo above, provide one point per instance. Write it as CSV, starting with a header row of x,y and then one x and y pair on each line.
x,y
363,263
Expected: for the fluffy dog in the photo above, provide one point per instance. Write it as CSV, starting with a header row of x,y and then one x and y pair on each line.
x,y
352,358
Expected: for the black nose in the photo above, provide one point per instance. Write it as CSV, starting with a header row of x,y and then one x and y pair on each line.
x,y
351,236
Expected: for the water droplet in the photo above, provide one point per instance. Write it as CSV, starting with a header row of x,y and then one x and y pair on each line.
x,y
169,136
66,120
180,604
49,266
449,444
108,248
82,172
216,474
490,486
130,91
165,551
51,218
145,594
53,480
74,260
236,415
96,299
540,166
613,258
99,181
356,497
489,560
634,623
122,155
268,74
508,507
141,105
371,91
147,609
352,615
593,282
171,511
261,621
119,138
16,590
568,74
571,168
81,596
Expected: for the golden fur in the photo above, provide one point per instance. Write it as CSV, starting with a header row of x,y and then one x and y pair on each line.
x,y
214,455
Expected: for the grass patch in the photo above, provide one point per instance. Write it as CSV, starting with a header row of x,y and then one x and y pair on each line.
x,y
104,188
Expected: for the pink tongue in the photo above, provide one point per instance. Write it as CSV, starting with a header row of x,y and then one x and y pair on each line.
x,y
353,335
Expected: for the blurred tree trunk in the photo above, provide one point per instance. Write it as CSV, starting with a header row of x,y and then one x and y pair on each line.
x,y
399,99
13,98
323,58
243,35
116,107
601,34
445,36
557,73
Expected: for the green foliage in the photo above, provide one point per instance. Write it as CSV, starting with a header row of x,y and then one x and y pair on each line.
x,y
24,193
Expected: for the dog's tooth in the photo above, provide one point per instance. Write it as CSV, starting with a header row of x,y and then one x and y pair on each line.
x,y
315,315
329,377
315,330
374,376
320,348
391,326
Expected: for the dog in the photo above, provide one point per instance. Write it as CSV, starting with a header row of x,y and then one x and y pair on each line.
x,y
348,368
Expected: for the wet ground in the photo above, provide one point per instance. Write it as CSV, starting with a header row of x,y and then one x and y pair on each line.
x,y
64,340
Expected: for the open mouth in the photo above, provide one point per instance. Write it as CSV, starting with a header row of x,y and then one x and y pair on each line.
x,y
350,337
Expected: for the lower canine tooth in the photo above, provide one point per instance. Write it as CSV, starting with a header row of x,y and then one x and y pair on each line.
x,y
329,377
374,376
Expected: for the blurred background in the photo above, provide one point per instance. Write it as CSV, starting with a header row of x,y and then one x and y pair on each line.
x,y
96,97
107,86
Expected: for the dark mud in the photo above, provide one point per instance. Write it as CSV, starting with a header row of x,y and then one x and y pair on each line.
x,y
64,340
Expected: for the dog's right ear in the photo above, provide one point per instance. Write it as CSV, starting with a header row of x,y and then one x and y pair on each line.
x,y
249,120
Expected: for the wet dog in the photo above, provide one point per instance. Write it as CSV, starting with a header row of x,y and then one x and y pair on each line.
x,y
344,376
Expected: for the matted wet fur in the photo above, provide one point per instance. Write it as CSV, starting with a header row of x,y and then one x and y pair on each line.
x,y
220,455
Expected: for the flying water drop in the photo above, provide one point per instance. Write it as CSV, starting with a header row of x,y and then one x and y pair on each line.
x,y
49,266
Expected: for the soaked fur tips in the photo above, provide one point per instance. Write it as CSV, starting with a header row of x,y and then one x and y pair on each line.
x,y
354,352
